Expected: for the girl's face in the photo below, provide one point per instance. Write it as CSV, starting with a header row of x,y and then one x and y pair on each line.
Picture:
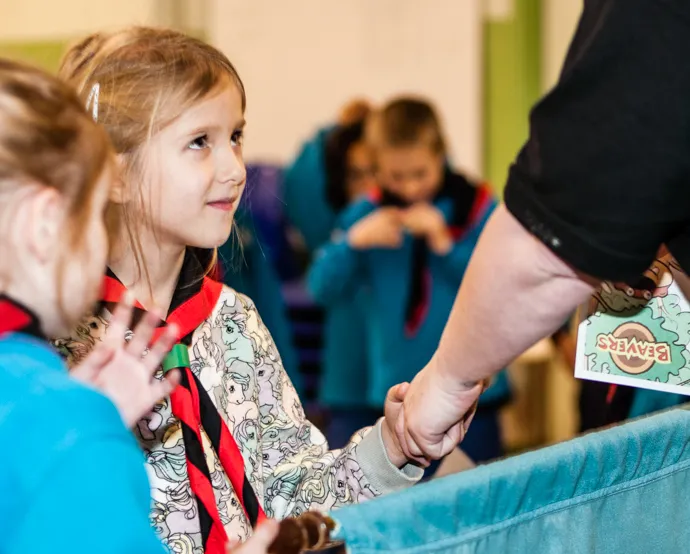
x,y
195,174
413,173
360,170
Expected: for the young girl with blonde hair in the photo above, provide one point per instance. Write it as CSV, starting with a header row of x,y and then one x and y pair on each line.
x,y
174,110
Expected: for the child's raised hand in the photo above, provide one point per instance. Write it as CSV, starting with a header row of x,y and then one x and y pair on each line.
x,y
392,409
380,229
427,221
124,371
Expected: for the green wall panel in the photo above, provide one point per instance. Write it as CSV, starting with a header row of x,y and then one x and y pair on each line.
x,y
43,54
512,53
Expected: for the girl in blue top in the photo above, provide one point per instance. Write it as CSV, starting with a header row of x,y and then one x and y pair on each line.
x,y
308,203
406,248
333,170
349,167
55,173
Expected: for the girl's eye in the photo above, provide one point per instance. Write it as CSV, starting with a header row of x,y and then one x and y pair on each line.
x,y
237,138
199,143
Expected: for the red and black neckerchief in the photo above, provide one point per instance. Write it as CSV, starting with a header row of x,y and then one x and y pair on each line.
x,y
469,203
16,318
193,302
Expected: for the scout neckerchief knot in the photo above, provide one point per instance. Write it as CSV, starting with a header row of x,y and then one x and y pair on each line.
x,y
192,304
15,318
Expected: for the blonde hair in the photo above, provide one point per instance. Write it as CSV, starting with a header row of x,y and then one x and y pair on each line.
x,y
47,138
146,78
405,122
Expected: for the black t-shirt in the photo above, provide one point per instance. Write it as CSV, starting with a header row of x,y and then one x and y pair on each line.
x,y
604,178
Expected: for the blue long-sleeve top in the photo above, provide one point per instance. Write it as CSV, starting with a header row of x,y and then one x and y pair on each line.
x,y
345,353
304,191
340,272
72,476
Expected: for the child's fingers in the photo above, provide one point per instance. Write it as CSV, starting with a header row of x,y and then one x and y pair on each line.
x,y
469,417
266,533
412,449
170,381
161,348
415,453
93,363
120,320
397,217
143,333
261,540
407,445
455,435
391,237
162,389
409,448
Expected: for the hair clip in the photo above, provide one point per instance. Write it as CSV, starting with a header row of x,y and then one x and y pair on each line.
x,y
92,101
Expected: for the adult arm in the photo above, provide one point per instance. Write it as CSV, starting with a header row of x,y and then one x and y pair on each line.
x,y
599,186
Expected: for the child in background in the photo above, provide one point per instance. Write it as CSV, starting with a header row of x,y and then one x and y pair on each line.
x,y
333,169
55,174
231,446
349,169
406,247
305,186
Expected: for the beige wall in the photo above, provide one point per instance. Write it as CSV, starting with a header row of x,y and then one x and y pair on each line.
x,y
559,19
40,20
300,60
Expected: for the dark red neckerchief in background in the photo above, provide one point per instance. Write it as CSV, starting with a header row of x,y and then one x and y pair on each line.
x,y
603,404
193,302
469,203
16,318
619,400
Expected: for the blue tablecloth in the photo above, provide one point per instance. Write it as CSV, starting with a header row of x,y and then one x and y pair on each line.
x,y
625,490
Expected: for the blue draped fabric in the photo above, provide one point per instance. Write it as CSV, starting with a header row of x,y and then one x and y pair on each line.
x,y
624,490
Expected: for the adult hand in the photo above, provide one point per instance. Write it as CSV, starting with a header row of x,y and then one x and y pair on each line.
x,y
436,414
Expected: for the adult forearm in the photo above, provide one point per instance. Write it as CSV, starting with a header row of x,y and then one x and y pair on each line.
x,y
515,292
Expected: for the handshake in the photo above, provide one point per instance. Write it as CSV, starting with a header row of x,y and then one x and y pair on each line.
x,y
426,419
384,228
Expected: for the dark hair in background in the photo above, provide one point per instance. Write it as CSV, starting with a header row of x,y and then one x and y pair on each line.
x,y
406,121
338,143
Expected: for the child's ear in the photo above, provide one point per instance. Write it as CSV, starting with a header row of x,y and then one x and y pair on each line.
x,y
46,216
119,191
